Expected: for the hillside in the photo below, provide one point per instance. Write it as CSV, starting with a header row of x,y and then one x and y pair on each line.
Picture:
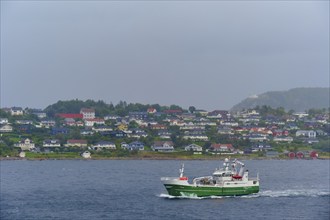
x,y
298,99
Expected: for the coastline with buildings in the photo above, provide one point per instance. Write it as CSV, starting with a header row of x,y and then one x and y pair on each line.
x,y
155,132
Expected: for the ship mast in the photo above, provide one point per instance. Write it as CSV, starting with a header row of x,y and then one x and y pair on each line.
x,y
181,170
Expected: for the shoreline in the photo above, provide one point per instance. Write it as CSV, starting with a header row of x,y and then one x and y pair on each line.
x,y
150,158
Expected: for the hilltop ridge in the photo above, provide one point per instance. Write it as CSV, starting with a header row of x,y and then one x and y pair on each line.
x,y
297,99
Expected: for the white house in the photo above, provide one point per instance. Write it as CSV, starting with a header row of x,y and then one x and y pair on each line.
x,y
25,144
306,133
87,113
283,139
39,113
47,123
104,145
16,111
94,121
200,137
193,147
51,143
6,128
257,137
3,120
300,114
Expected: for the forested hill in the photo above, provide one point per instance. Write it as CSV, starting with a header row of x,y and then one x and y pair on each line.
x,y
298,99
102,108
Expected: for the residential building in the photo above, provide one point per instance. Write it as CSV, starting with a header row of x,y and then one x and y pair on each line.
x,y
24,122
257,137
56,131
122,126
102,128
283,139
47,123
6,129
51,143
118,134
4,121
164,134
196,137
261,147
94,121
136,145
311,141
138,115
222,147
163,146
25,144
104,145
111,117
69,122
158,127
76,143
137,133
280,132
219,114
151,110
192,126
225,130
193,147
14,111
87,132
300,114
306,133
39,113
88,113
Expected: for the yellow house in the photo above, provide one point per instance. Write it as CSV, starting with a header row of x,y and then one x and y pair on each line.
x,y
122,127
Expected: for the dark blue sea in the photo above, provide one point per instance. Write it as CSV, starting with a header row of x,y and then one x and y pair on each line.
x,y
131,189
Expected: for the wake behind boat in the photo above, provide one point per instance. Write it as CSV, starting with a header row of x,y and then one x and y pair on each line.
x,y
225,181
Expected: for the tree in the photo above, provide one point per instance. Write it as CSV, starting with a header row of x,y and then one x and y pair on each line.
x,y
175,107
192,109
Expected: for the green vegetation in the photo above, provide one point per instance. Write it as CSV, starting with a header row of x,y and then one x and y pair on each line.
x,y
101,108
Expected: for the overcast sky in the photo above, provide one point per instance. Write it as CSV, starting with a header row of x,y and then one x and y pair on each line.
x,y
208,54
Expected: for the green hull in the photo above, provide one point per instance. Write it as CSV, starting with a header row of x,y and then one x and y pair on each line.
x,y
204,191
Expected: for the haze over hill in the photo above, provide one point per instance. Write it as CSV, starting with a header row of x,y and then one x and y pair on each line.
x,y
297,99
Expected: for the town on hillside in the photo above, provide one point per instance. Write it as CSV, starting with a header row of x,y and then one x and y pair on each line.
x,y
259,132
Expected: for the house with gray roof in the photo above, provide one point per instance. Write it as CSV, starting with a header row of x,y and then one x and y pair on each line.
x,y
163,146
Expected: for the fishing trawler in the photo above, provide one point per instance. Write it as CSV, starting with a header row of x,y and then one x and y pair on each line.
x,y
230,180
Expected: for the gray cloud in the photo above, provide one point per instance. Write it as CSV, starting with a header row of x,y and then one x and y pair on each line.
x,y
207,54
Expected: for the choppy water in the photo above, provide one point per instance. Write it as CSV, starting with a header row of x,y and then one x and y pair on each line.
x,y
131,189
